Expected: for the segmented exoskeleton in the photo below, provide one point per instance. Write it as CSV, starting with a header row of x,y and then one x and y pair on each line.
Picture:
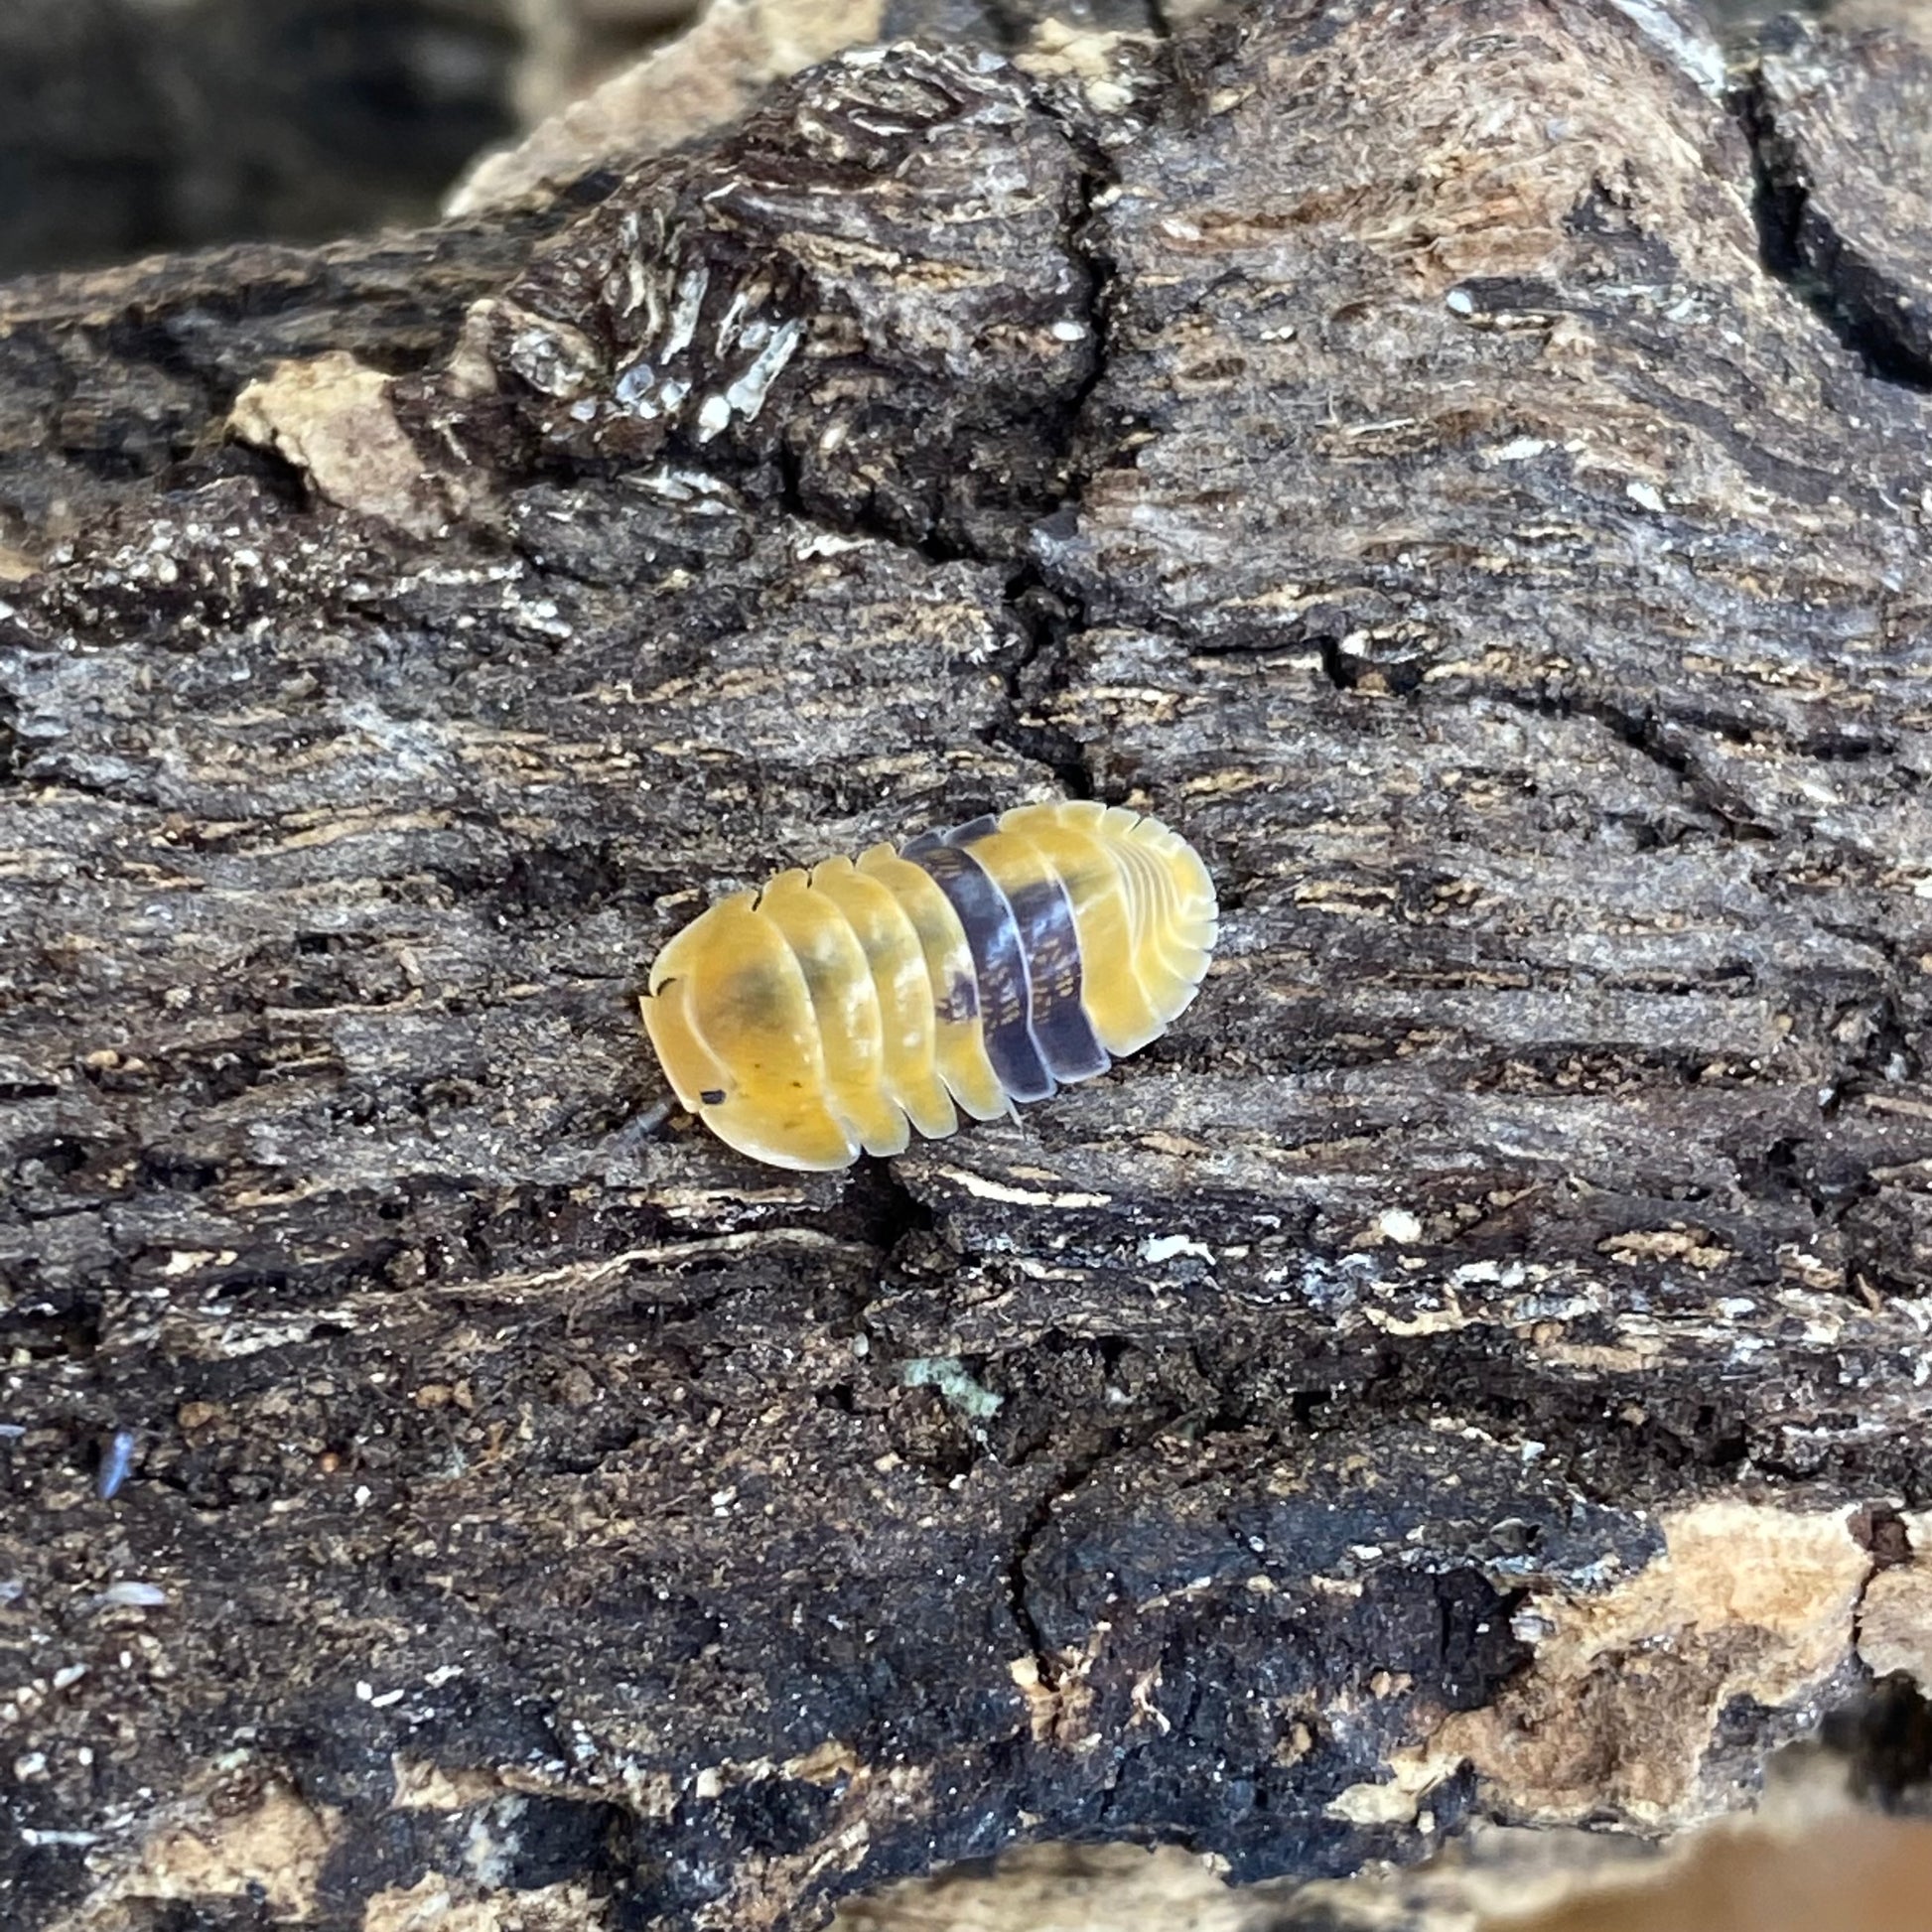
x,y
837,1008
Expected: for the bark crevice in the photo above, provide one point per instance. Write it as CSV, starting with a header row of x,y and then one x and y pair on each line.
x,y
1879,317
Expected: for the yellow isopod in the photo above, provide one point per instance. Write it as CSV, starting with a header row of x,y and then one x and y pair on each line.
x,y
837,1008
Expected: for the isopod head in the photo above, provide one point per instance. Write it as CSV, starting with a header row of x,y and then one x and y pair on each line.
x,y
732,1022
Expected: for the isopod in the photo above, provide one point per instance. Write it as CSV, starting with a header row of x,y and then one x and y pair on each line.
x,y
837,1008
116,1461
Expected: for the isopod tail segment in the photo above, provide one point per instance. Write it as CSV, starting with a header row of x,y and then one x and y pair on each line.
x,y
837,1010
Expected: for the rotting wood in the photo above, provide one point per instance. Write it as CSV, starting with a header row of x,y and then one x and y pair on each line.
x,y
1472,1367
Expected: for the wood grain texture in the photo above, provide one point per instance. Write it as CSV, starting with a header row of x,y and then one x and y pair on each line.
x,y
1471,1366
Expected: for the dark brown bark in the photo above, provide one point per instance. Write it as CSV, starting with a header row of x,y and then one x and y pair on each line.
x,y
1473,1366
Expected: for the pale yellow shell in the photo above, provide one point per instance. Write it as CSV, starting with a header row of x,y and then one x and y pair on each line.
x,y
836,1009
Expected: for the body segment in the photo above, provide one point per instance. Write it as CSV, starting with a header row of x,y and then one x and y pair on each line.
x,y
838,1009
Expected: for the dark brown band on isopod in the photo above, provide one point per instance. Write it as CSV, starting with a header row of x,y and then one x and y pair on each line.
x,y
1049,943
998,962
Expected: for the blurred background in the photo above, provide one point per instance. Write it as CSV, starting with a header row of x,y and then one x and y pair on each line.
x,y
129,126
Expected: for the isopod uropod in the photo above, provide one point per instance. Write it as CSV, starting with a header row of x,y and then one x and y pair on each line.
x,y
837,1008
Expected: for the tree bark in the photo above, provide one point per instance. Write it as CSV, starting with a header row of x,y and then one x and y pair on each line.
x,y
1463,466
